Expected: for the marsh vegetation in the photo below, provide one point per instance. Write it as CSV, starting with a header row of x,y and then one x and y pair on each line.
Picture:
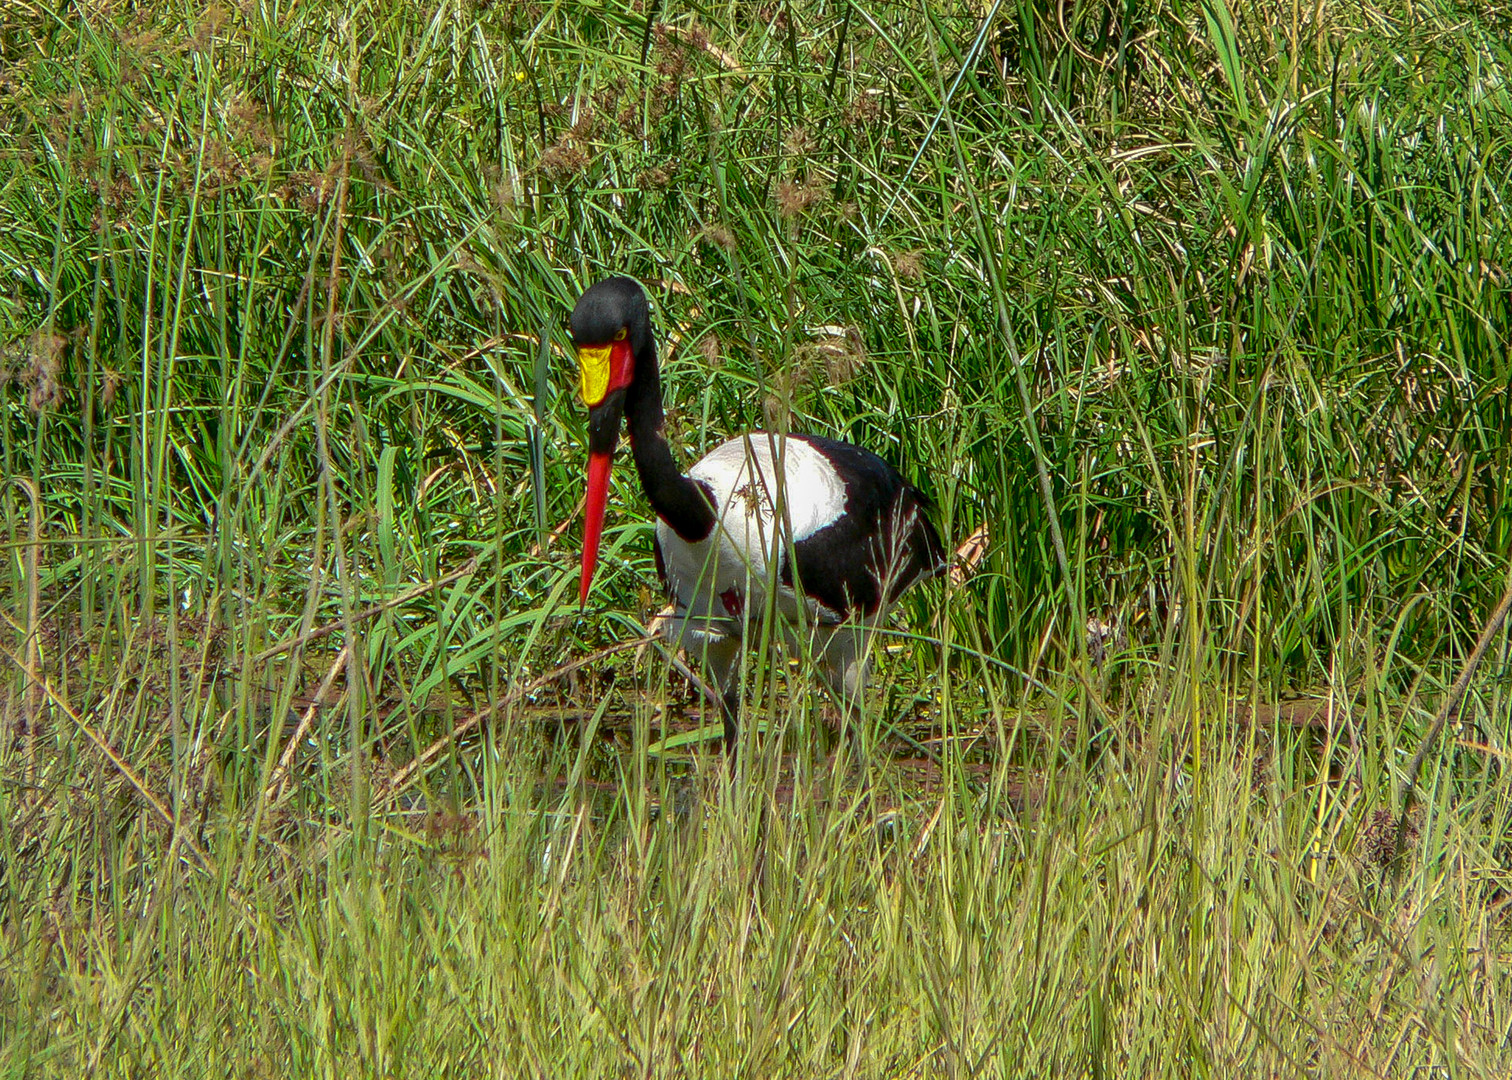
x,y
1190,316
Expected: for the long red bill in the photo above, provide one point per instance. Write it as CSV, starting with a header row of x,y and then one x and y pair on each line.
x,y
593,522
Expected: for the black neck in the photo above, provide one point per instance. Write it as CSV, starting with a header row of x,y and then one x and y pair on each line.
x,y
677,500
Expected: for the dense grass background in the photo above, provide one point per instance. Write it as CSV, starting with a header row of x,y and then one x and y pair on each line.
x,y
1199,310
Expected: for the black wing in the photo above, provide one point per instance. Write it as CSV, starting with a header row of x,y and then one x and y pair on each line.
x,y
880,545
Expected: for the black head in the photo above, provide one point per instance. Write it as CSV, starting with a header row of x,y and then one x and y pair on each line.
x,y
611,332
613,305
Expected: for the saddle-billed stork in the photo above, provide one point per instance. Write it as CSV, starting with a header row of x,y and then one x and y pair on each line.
x,y
834,527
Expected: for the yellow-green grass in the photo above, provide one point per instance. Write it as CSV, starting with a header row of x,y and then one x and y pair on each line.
x,y
312,767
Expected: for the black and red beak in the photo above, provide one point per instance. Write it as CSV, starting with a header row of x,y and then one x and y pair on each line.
x,y
606,370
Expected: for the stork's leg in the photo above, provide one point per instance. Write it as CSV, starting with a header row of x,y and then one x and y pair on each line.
x,y
722,661
719,655
844,657
843,660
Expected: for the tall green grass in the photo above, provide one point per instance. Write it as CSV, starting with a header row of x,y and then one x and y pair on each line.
x,y
1199,309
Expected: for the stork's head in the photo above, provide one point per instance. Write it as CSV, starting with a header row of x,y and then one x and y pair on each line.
x,y
611,328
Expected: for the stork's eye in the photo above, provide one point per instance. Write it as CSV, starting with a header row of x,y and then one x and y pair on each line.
x,y
622,333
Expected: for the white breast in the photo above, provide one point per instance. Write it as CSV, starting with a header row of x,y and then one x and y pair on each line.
x,y
768,490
